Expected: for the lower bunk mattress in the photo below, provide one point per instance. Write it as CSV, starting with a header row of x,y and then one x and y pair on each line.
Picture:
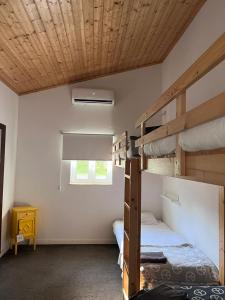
x,y
204,292
165,292
186,265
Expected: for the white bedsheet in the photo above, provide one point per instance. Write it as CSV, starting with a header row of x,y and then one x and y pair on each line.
x,y
161,147
208,136
159,235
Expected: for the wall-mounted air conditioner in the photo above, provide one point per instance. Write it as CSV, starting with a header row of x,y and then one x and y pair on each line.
x,y
92,96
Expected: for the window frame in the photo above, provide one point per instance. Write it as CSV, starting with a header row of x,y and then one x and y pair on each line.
x,y
91,180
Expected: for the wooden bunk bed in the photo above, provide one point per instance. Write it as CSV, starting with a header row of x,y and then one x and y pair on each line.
x,y
205,166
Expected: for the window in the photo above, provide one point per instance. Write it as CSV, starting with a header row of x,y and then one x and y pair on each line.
x,y
90,172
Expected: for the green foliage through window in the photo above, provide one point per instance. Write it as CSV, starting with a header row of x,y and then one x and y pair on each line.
x,y
91,172
101,169
82,169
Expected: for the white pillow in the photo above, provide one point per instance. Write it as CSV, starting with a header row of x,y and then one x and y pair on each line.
x,y
148,218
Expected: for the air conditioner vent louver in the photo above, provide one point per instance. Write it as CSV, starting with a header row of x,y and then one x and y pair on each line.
x,y
92,96
93,101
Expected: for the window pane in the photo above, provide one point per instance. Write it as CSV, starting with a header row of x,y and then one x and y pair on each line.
x,y
101,170
91,172
82,169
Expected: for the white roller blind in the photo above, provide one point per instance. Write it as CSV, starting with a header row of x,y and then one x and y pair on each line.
x,y
87,146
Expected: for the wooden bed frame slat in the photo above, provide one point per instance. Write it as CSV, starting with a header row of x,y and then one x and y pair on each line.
x,y
120,147
123,149
207,167
206,162
121,138
206,62
204,176
180,154
143,156
161,166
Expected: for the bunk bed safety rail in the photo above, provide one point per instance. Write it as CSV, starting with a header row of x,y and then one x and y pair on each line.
x,y
207,111
119,150
206,62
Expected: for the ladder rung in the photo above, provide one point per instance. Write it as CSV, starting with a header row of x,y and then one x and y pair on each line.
x,y
127,166
127,236
127,205
126,266
125,295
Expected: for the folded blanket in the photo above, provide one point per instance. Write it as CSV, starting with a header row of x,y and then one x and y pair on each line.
x,y
161,292
153,257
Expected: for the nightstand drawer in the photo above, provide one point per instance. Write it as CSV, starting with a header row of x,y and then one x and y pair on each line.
x,y
26,227
24,215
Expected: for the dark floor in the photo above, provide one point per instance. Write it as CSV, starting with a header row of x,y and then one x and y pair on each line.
x,y
61,272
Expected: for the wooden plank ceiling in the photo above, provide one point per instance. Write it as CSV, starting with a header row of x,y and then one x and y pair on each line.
x,y
46,43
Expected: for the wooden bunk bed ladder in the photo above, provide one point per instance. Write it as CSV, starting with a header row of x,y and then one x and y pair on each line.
x,y
132,223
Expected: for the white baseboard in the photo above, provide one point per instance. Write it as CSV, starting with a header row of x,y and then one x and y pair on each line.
x,y
75,241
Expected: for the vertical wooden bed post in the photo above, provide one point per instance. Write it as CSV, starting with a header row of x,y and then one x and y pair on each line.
x,y
2,166
180,154
222,235
132,228
119,145
143,156
120,148
114,156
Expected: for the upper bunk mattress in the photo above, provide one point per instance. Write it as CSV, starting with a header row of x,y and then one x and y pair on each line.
x,y
161,147
207,136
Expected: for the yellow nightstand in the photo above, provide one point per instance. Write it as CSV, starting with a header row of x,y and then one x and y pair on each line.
x,y
24,220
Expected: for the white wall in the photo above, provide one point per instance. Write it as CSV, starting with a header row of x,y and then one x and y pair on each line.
x,y
197,217
79,214
9,117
